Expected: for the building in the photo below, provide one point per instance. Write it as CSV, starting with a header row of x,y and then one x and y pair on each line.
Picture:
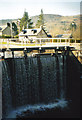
x,y
63,36
6,30
30,34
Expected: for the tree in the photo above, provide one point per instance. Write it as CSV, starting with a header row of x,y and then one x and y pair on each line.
x,y
14,27
40,20
25,21
73,28
8,24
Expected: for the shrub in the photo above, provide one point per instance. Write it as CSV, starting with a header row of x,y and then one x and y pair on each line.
x,y
72,41
63,40
78,41
55,40
16,36
6,36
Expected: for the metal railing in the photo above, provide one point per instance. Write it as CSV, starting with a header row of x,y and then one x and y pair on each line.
x,y
37,42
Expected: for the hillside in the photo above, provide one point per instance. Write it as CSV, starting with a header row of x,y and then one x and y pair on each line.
x,y
4,22
47,18
55,24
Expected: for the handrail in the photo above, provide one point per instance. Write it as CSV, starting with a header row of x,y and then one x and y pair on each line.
x,y
51,38
24,42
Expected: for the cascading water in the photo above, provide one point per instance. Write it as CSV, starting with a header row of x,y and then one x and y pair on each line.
x,y
6,95
33,80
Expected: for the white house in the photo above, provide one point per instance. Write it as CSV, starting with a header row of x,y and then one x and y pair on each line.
x,y
32,33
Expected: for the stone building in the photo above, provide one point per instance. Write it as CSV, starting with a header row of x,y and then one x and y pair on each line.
x,y
6,30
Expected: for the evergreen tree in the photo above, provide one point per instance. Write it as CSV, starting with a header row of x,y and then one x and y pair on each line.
x,y
73,26
14,27
40,20
8,24
25,21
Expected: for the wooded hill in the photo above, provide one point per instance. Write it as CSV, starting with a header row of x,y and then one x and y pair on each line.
x,y
55,24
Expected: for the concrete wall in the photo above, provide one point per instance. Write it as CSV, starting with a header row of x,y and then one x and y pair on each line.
x,y
0,90
73,84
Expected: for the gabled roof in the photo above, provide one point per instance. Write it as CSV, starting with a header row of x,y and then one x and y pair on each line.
x,y
2,28
66,35
30,32
63,35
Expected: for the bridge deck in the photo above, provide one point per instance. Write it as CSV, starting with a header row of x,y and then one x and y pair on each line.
x,y
36,48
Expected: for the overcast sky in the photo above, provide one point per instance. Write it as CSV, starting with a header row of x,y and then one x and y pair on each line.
x,y
10,9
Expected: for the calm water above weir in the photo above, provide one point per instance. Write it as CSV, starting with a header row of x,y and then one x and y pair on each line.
x,y
34,83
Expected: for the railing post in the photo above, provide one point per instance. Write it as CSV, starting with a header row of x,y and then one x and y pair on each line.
x,y
68,41
27,40
57,43
25,43
52,40
1,44
12,54
22,42
25,53
75,43
35,42
40,42
3,54
7,44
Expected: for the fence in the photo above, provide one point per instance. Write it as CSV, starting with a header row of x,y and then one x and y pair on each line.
x,y
37,42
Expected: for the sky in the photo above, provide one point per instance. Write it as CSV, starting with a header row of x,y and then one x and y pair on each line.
x,y
14,9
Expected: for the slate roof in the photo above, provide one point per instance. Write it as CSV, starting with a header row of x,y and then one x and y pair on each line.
x,y
63,36
2,28
30,32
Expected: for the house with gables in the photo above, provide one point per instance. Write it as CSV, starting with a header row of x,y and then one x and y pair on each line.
x,y
6,31
33,33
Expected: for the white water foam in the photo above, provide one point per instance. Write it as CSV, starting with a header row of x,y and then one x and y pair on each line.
x,y
38,107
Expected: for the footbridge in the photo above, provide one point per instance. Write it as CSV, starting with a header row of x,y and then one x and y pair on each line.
x,y
39,44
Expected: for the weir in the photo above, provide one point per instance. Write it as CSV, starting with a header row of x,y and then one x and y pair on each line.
x,y
40,80
9,53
